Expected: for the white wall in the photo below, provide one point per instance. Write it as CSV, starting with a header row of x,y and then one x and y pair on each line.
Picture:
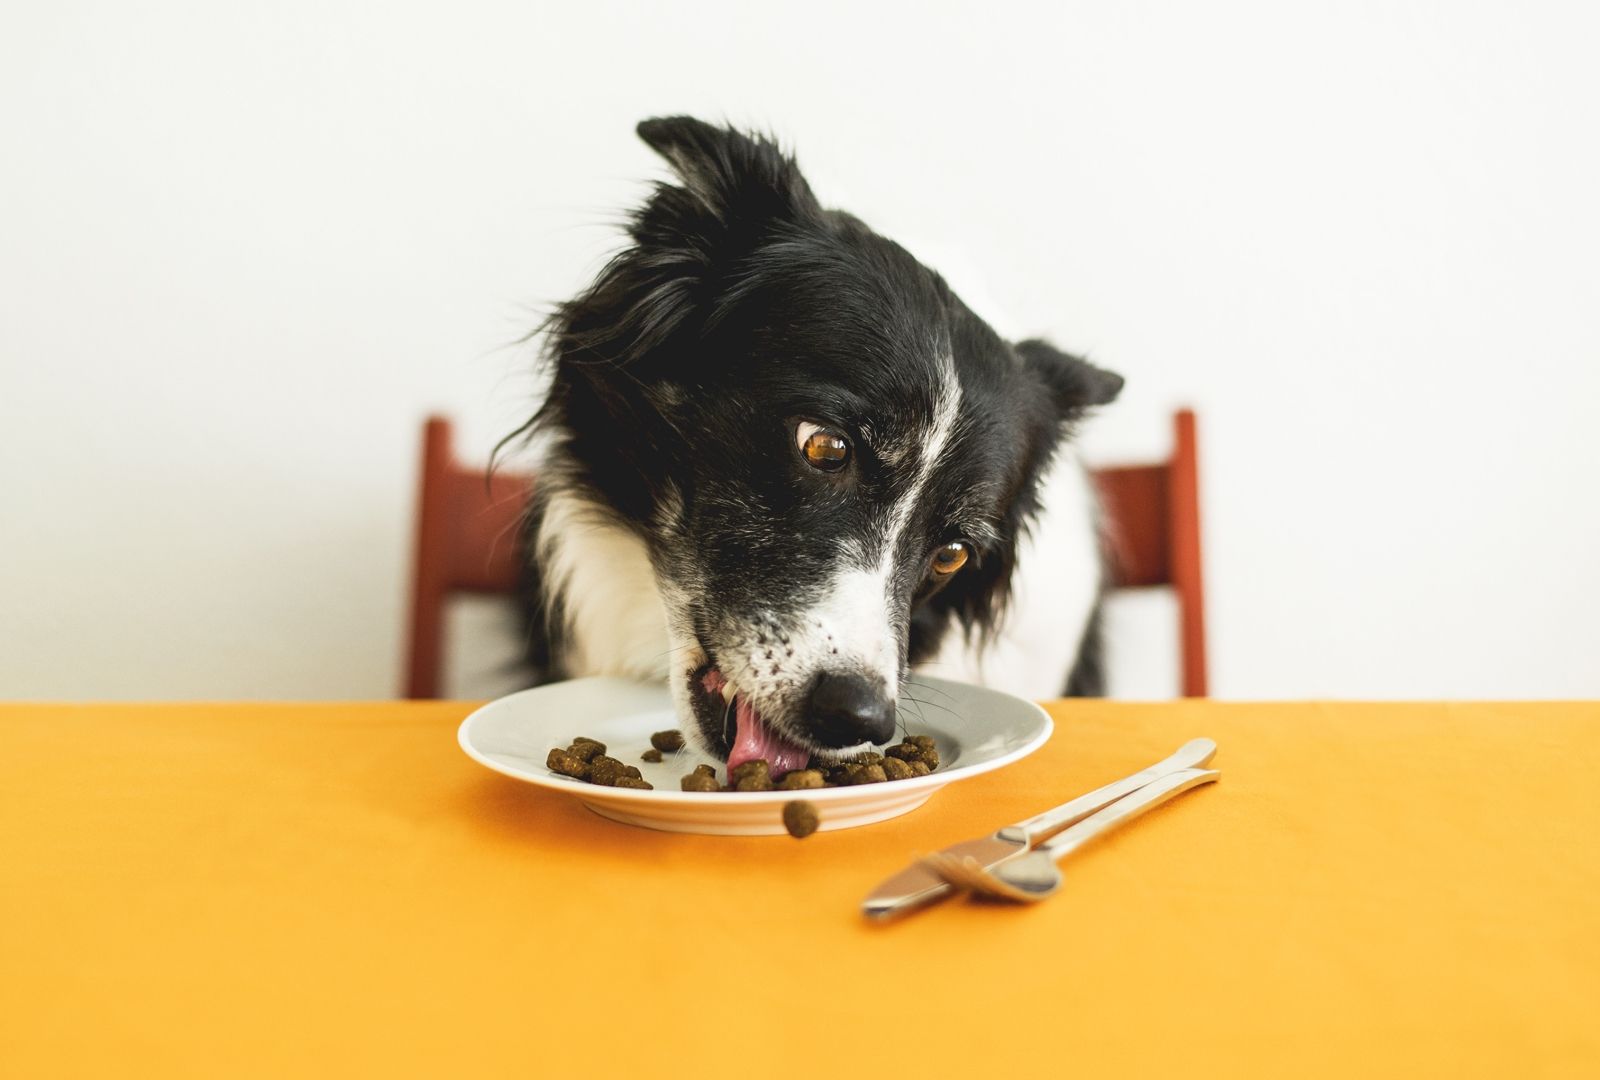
x,y
242,252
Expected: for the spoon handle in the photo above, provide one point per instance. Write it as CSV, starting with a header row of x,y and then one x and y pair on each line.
x,y
1191,755
1125,810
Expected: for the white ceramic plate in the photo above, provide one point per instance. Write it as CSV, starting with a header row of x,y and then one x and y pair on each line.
x,y
976,730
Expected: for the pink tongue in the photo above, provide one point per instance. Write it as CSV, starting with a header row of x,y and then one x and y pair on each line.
x,y
753,740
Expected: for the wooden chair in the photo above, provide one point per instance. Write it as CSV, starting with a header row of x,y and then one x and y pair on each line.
x,y
1152,527
467,533
466,543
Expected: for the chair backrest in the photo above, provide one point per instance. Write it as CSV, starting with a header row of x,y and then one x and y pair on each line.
x,y
1152,530
466,542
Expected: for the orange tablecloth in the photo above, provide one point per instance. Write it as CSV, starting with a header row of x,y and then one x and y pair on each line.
x,y
294,890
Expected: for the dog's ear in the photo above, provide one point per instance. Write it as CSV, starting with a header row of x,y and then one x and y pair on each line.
x,y
736,192
1074,383
742,181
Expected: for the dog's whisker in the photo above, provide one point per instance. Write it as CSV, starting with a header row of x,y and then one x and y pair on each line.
x,y
935,689
934,705
674,649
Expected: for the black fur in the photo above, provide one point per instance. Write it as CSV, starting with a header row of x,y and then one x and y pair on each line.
x,y
740,306
1088,676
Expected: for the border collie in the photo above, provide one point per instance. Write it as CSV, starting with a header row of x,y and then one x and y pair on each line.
x,y
780,463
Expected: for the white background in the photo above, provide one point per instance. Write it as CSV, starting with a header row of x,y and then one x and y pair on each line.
x,y
243,252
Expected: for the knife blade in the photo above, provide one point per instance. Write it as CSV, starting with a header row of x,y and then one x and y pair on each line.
x,y
916,886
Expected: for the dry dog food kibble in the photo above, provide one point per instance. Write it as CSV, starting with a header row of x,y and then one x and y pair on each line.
x,y
895,769
704,778
668,742
585,759
567,764
801,780
751,776
585,749
868,774
800,818
914,757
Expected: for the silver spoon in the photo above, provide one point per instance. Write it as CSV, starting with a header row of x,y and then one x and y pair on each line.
x,y
1035,875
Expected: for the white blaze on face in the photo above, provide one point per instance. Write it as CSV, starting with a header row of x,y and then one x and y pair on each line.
x,y
854,627
851,629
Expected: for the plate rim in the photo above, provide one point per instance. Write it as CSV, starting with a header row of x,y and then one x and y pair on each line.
x,y
580,789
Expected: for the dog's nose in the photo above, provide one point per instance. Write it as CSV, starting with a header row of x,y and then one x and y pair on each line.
x,y
848,709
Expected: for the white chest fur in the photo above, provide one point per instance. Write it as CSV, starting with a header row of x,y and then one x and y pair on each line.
x,y
615,621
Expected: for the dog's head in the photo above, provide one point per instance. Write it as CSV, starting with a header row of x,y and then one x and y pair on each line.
x,y
828,456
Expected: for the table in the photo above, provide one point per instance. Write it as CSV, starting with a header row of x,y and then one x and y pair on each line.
x,y
295,890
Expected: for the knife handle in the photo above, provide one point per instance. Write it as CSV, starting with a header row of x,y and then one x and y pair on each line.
x,y
1191,755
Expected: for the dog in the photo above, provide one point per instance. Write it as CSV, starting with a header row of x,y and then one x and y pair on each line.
x,y
780,464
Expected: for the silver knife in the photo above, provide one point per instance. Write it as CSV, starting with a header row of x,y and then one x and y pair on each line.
x,y
916,886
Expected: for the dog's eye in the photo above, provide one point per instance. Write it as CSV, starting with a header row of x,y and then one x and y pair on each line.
x,y
823,449
950,558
